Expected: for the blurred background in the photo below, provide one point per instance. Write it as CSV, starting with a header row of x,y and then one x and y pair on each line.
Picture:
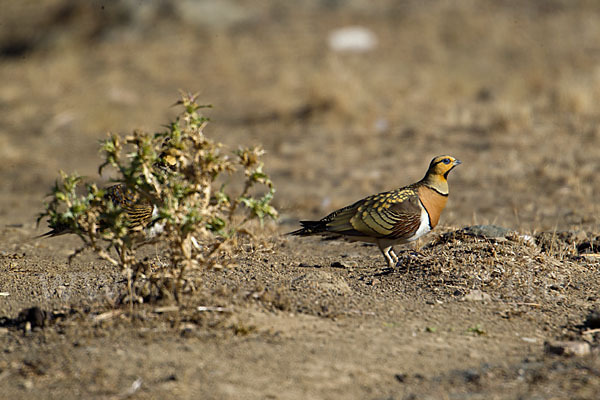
x,y
349,97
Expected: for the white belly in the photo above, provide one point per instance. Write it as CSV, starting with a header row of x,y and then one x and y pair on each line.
x,y
424,227
157,228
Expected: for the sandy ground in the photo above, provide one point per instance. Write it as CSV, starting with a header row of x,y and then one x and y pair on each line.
x,y
510,88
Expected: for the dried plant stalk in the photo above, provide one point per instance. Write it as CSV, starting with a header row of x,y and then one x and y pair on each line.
x,y
173,191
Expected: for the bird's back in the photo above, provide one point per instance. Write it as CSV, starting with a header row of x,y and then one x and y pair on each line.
x,y
391,214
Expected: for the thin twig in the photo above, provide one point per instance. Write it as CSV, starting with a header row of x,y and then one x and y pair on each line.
x,y
107,315
590,331
165,309
135,386
525,304
214,309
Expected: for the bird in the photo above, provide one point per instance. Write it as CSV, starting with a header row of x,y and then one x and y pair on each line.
x,y
388,218
139,212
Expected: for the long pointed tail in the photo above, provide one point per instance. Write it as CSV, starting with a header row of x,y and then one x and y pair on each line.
x,y
52,233
309,228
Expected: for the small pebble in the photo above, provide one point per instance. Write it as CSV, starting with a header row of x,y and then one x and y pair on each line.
x,y
476,295
529,340
569,349
354,39
27,384
346,264
592,321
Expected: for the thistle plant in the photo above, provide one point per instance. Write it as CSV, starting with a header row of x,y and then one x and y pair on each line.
x,y
180,189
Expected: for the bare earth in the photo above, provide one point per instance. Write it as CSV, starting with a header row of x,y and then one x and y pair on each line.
x,y
510,88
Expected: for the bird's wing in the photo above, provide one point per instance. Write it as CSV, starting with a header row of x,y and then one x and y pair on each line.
x,y
339,221
139,210
139,215
393,215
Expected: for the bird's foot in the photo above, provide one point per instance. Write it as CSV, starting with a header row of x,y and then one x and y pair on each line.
x,y
407,258
410,254
400,265
415,254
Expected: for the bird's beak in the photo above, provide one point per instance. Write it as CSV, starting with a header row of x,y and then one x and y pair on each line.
x,y
456,162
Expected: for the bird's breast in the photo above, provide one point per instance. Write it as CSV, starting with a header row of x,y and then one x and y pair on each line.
x,y
434,204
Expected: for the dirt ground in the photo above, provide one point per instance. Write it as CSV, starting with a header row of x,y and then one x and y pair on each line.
x,y
510,88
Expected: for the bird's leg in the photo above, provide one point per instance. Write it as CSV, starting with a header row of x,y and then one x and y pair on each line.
x,y
116,249
389,258
392,253
416,252
159,261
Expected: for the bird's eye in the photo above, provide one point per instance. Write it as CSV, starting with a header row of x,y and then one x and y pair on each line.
x,y
446,161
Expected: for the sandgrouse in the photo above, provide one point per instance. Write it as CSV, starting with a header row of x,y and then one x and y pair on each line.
x,y
389,218
138,211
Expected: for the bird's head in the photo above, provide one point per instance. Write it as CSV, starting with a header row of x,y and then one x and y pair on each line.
x,y
441,166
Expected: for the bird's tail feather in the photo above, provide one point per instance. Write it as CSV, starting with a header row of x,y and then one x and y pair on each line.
x,y
52,233
310,228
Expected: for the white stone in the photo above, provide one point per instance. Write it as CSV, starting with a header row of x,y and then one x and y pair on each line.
x,y
356,39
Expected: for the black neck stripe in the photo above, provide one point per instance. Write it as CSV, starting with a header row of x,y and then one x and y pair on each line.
x,y
437,191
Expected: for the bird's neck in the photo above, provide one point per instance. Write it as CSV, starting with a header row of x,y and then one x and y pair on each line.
x,y
437,182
